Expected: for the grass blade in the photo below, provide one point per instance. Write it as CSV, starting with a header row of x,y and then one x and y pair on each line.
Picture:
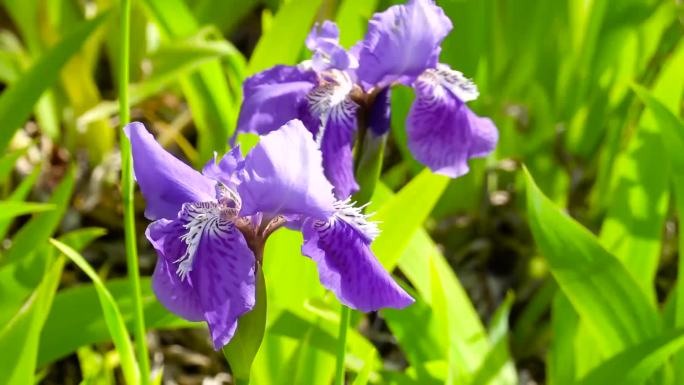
x,y
636,364
112,315
604,294
19,337
127,187
283,42
9,210
17,101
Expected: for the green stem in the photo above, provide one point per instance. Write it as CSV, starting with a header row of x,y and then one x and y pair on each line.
x,y
127,187
369,166
345,314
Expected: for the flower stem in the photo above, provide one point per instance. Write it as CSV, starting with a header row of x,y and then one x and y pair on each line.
x,y
127,197
345,314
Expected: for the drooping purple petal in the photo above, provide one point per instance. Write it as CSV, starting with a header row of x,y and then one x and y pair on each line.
x,y
283,175
348,268
225,170
205,270
276,96
165,181
402,42
225,283
175,294
323,41
440,127
484,135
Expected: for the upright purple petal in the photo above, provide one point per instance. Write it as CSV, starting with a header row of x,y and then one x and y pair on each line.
x,y
442,131
205,270
348,268
165,181
274,97
283,175
324,42
225,170
402,42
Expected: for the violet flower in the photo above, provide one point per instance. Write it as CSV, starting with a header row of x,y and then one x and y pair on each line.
x,y
338,91
210,228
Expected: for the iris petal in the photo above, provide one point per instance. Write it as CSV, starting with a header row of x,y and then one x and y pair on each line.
x,y
175,294
402,42
220,285
165,181
225,170
331,103
323,41
443,133
484,136
274,97
348,268
283,175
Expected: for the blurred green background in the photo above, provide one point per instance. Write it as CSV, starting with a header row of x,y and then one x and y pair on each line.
x,y
587,95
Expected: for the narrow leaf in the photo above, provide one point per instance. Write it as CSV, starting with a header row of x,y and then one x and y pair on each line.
x,y
17,101
112,315
604,294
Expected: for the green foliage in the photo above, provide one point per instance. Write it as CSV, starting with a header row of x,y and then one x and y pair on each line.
x,y
111,312
586,94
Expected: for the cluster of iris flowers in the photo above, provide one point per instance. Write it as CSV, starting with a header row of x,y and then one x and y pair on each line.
x,y
209,228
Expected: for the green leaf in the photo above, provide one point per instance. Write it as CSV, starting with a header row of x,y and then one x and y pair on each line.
x,y
17,101
19,336
403,214
636,364
560,361
499,357
604,294
18,195
112,315
39,229
9,209
64,334
213,107
669,126
283,42
8,161
242,349
352,19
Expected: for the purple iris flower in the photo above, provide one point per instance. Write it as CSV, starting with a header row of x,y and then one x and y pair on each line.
x,y
210,228
339,90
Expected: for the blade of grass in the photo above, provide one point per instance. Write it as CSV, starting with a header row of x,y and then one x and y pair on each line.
x,y
9,210
283,42
17,101
40,228
128,200
18,195
672,130
213,108
401,216
112,315
635,365
20,336
63,333
616,311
